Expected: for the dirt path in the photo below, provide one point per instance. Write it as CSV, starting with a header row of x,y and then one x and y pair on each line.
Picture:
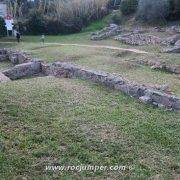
x,y
101,47
93,46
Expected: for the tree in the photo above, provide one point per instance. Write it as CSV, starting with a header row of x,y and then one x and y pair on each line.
x,y
153,10
175,9
128,6
2,27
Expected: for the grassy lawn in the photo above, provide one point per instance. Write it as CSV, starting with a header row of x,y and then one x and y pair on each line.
x,y
49,121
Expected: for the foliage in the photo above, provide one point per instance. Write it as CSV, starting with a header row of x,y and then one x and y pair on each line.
x,y
36,23
98,24
128,6
66,16
175,9
2,27
79,10
153,10
114,4
117,17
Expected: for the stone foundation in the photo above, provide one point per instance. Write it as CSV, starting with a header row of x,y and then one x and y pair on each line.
x,y
146,95
67,70
162,66
23,70
175,49
15,57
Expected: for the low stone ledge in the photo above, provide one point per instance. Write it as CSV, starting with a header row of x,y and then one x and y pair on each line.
x,y
15,57
175,49
3,78
18,57
111,30
3,51
162,66
23,70
132,90
161,99
166,68
3,57
146,95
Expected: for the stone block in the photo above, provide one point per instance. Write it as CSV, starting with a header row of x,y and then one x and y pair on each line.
x,y
175,49
3,57
23,70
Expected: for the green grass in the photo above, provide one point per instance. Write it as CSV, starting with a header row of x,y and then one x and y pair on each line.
x,y
49,121
46,121
98,25
5,65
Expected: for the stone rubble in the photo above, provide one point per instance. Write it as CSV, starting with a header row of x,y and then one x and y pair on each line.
x,y
3,55
172,40
15,57
138,39
106,32
157,65
173,29
174,43
139,36
175,49
166,68
177,44
23,70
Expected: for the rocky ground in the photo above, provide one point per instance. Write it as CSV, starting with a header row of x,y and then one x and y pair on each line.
x,y
142,36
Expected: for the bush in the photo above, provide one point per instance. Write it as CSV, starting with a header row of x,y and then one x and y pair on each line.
x,y
116,17
114,4
66,16
153,10
36,23
2,27
76,13
175,9
128,6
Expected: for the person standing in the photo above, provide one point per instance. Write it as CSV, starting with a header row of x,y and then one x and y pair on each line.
x,y
18,37
43,38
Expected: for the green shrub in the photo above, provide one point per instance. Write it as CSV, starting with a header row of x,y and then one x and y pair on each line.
x,y
116,17
40,24
66,16
2,27
153,10
128,6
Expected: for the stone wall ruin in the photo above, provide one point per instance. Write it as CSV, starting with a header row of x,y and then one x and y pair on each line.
x,y
67,70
